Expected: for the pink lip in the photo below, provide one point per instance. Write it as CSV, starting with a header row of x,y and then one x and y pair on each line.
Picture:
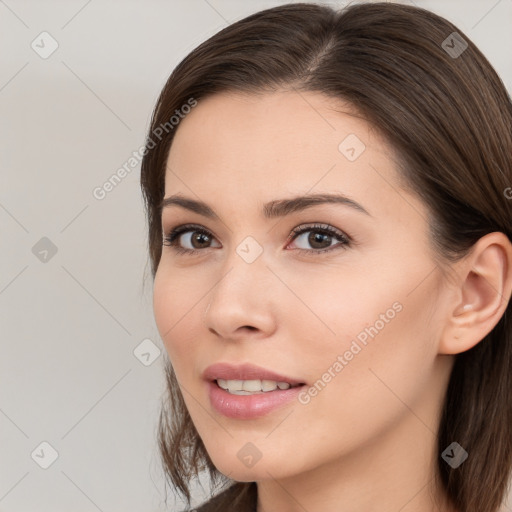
x,y
245,372
247,406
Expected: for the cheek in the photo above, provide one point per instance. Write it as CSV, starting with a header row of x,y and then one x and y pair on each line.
x,y
390,355
176,308
360,388
338,307
163,306
364,323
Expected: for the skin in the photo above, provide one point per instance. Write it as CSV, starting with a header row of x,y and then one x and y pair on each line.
x,y
367,440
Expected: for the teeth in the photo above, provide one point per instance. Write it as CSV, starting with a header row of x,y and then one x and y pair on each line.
x,y
249,387
268,385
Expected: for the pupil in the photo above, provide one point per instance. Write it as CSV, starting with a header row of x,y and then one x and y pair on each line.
x,y
200,237
317,238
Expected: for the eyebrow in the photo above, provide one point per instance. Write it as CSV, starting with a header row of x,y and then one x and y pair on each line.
x,y
272,209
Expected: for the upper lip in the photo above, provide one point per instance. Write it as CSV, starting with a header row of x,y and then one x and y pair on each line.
x,y
245,371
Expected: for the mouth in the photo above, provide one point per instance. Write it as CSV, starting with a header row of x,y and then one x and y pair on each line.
x,y
245,392
248,377
253,387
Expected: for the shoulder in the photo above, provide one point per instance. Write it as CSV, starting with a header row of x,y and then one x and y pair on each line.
x,y
213,504
241,497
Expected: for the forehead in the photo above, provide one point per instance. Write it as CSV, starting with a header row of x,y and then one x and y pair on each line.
x,y
265,126
236,145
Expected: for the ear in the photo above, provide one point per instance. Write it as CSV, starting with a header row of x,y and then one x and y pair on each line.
x,y
483,290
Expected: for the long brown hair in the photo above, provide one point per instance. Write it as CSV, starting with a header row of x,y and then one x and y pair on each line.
x,y
447,114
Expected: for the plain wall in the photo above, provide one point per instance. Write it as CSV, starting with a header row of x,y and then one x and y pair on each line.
x,y
73,307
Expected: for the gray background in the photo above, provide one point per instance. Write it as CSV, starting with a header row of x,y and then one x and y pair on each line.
x,y
71,321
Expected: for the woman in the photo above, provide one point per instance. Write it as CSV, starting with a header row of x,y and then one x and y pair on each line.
x,y
330,225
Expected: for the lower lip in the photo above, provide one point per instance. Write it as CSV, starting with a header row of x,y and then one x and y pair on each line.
x,y
245,407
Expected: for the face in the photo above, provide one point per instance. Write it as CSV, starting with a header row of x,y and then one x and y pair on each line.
x,y
341,297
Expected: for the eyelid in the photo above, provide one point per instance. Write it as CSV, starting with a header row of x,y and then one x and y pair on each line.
x,y
175,232
345,240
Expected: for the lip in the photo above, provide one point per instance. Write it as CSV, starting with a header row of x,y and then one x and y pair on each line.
x,y
245,407
246,371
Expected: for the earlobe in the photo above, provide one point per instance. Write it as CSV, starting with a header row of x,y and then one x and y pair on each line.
x,y
483,293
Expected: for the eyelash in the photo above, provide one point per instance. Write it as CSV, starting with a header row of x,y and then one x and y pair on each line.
x,y
345,240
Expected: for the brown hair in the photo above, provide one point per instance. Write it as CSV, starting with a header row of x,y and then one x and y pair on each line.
x,y
448,117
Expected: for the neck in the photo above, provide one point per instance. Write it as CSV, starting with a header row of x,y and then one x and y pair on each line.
x,y
396,472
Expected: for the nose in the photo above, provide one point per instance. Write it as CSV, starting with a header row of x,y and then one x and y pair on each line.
x,y
241,303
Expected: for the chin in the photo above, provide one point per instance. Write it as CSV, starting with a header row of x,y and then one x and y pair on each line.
x,y
236,470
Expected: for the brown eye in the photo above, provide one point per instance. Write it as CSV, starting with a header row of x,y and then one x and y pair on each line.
x,y
195,237
319,238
